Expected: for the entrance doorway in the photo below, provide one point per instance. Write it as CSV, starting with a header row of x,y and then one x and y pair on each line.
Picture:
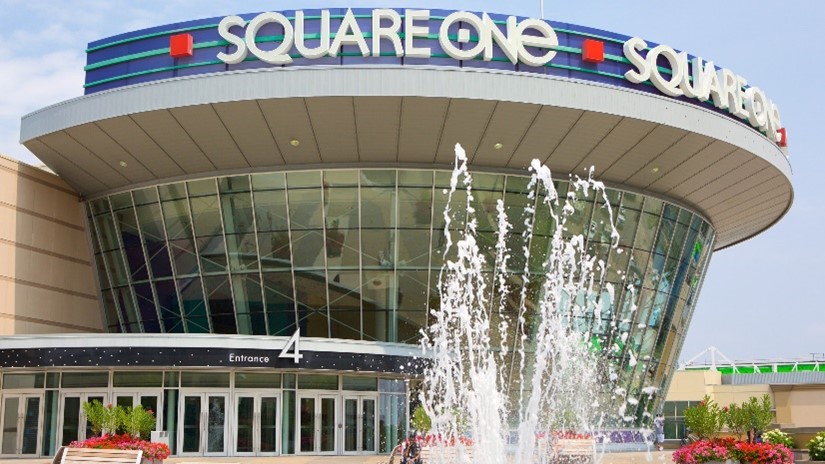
x,y
202,430
21,423
360,424
73,424
317,419
257,423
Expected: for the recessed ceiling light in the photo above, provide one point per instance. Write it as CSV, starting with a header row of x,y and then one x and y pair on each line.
x,y
654,170
498,146
123,164
294,142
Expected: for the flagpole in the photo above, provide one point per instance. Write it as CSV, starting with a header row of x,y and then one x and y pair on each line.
x,y
541,2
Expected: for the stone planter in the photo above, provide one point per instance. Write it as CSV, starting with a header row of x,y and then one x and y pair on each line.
x,y
151,461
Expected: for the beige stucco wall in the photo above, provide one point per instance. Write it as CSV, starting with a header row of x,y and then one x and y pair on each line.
x,y
46,282
800,405
797,406
727,394
692,385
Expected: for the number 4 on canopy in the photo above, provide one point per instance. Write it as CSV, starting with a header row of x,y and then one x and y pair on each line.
x,y
296,342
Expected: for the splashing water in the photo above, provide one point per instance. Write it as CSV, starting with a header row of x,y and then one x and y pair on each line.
x,y
514,353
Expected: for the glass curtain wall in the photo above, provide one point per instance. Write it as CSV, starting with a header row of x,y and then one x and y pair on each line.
x,y
355,254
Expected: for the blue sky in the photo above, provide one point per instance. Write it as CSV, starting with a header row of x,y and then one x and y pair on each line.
x,y
758,299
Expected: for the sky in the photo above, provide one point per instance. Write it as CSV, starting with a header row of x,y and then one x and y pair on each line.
x,y
758,300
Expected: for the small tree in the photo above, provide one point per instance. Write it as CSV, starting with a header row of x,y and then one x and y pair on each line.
x,y
420,420
737,419
760,412
705,419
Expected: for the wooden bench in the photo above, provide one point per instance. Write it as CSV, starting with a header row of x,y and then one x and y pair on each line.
x,y
100,456
452,455
567,450
580,447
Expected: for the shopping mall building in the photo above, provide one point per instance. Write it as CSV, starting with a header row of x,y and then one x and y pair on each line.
x,y
246,229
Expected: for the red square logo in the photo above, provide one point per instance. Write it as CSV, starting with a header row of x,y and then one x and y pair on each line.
x,y
783,137
180,45
592,51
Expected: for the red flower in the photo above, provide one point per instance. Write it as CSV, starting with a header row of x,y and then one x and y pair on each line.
x,y
109,405
159,451
727,448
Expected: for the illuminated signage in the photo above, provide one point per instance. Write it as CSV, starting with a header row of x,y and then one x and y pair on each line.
x,y
701,80
513,40
471,36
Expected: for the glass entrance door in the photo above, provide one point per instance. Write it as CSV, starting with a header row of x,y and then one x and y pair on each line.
x,y
359,424
203,425
317,423
257,424
73,424
21,421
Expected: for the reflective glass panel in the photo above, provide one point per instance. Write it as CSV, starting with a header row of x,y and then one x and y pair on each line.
x,y
11,381
318,382
9,436
191,424
245,423
355,254
203,379
257,380
307,426
359,383
137,379
84,379
31,420
269,424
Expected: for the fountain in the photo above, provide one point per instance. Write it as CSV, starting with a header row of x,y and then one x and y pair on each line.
x,y
517,358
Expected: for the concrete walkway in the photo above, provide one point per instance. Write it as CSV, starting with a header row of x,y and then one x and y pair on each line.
x,y
653,457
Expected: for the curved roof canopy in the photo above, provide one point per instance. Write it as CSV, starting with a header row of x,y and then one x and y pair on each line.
x,y
343,116
301,89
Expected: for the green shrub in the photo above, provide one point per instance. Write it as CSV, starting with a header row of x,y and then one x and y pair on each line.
x,y
138,422
420,420
705,419
759,411
737,419
778,437
817,447
103,419
94,412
